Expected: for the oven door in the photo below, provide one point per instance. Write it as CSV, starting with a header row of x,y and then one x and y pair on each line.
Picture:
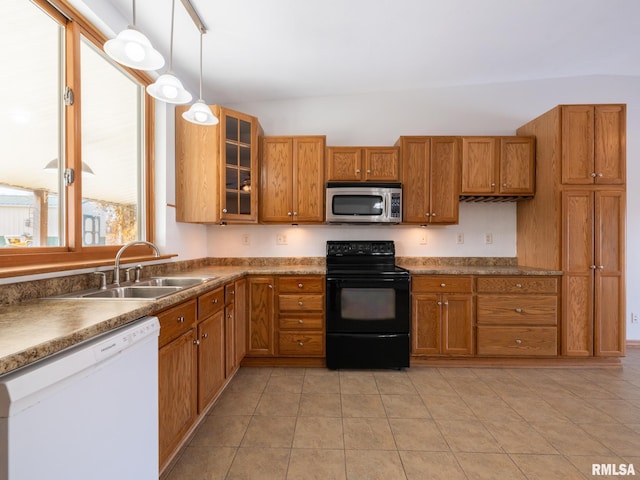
x,y
367,304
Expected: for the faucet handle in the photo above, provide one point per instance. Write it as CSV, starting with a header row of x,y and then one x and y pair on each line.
x,y
103,280
138,270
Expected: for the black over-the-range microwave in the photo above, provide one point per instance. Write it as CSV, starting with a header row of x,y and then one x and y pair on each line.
x,y
364,202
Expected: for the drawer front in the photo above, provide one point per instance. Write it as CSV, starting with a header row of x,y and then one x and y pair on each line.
x,y
300,343
175,321
311,322
517,341
229,293
295,284
517,309
210,302
517,284
301,303
441,283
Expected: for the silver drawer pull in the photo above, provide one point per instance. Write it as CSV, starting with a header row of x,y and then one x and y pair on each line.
x,y
214,301
518,285
300,321
300,285
205,335
443,285
518,341
300,303
300,344
518,310
180,319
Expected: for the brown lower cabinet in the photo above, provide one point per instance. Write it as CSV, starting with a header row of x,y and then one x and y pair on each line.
x,y
286,316
201,344
442,315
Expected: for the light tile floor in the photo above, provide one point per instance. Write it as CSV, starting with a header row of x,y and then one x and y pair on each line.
x,y
421,423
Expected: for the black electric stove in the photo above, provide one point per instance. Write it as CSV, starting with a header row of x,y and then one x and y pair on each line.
x,y
368,317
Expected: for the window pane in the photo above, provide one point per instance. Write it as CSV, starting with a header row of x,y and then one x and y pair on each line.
x,y
111,151
30,122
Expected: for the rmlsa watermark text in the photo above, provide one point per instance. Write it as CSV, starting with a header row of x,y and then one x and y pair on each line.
x,y
609,469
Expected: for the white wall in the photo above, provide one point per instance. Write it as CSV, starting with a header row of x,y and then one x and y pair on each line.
x,y
379,119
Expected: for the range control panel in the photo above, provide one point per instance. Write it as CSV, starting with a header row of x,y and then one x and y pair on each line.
x,y
360,248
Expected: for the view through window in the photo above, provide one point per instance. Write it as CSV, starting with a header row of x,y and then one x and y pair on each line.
x,y
109,174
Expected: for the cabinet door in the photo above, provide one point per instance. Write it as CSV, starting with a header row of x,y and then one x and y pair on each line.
x,y
276,196
240,162
479,165
229,340
382,164
177,392
344,163
577,144
609,327
426,333
445,180
517,166
610,144
457,324
211,358
415,153
308,179
261,327
240,310
578,265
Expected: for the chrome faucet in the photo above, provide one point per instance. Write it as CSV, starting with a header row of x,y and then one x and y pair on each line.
x,y
116,268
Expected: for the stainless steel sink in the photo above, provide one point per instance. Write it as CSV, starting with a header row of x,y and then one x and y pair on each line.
x,y
183,282
134,292
147,289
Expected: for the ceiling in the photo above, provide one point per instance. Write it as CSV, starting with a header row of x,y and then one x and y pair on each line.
x,y
258,50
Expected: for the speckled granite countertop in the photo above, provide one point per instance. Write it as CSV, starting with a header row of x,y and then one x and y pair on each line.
x,y
34,329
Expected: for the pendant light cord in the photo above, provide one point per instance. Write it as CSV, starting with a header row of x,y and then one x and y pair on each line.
x,y
134,13
173,12
201,35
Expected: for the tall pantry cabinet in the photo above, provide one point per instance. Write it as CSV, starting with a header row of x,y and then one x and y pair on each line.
x,y
576,222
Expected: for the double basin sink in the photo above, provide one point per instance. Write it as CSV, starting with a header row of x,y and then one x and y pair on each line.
x,y
149,288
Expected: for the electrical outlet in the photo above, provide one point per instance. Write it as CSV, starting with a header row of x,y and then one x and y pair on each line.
x,y
281,239
488,238
423,237
460,238
245,239
635,318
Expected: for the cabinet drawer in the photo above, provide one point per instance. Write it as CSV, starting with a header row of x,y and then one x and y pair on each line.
x,y
442,283
210,302
517,284
301,303
517,309
295,284
175,321
312,322
301,343
517,341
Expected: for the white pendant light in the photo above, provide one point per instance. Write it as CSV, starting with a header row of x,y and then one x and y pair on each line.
x,y
167,88
200,113
132,48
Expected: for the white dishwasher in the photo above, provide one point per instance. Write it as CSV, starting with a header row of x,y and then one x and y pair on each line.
x,y
87,413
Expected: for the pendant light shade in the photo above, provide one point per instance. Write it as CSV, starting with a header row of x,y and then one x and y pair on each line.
x,y
167,88
132,48
200,112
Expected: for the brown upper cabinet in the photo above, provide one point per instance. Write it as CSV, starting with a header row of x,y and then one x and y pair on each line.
x,y
354,164
593,144
430,179
216,168
292,179
498,166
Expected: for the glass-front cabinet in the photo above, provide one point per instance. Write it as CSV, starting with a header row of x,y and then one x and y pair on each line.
x,y
216,168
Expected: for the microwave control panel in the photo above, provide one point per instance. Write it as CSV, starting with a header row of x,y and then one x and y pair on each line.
x,y
396,211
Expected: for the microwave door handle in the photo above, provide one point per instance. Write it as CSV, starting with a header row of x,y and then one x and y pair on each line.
x,y
387,201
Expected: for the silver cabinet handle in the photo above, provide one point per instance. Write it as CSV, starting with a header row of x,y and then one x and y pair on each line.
x,y
493,184
600,267
518,310
368,171
427,214
518,341
214,301
180,319
196,342
300,321
357,170
270,286
592,267
433,214
518,285
300,344
224,210
300,302
205,335
439,302
593,174
443,285
300,285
